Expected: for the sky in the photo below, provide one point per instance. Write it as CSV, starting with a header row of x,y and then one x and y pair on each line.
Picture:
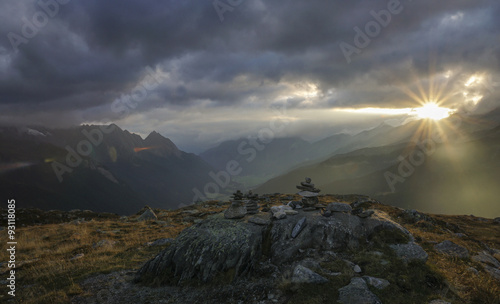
x,y
200,72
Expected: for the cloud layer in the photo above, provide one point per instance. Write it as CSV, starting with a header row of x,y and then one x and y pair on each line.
x,y
174,66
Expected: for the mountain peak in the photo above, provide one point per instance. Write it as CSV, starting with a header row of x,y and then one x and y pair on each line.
x,y
163,146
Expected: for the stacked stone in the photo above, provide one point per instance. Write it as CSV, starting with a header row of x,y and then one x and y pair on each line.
x,y
237,209
309,193
251,203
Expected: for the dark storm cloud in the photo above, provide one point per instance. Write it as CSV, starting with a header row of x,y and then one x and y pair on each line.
x,y
90,53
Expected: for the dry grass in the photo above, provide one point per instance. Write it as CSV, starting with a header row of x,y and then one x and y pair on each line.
x,y
46,273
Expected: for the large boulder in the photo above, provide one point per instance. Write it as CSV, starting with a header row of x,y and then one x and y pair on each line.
x,y
213,246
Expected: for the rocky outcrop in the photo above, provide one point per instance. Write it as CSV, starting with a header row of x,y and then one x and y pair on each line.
x,y
233,248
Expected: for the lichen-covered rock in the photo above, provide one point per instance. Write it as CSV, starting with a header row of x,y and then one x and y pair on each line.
x,y
339,207
202,251
233,248
337,232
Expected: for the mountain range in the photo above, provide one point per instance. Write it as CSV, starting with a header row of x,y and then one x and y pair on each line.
x,y
455,172
91,167
449,166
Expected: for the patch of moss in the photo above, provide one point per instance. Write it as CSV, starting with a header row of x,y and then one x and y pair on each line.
x,y
414,282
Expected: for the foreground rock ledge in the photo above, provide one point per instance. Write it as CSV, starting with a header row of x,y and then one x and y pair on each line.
x,y
234,248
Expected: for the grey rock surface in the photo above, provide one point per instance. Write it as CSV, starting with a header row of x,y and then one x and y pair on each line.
x,y
216,245
410,252
258,220
148,215
376,282
452,249
357,292
303,274
219,245
339,207
235,211
298,227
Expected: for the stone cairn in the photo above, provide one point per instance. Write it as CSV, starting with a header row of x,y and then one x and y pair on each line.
x,y
251,203
237,209
309,193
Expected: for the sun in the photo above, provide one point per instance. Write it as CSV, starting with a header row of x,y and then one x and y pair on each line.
x,y
432,110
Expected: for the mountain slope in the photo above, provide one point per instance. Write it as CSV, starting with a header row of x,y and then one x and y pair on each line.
x,y
115,172
455,177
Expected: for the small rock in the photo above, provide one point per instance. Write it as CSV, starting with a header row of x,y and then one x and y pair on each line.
x,y
291,212
279,212
298,227
327,213
438,302
78,256
235,211
104,243
357,292
259,220
486,258
452,249
148,215
494,272
303,274
279,215
473,270
357,269
410,251
310,263
376,282
339,207
496,220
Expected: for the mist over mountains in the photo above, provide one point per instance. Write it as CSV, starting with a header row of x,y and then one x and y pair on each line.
x,y
450,166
